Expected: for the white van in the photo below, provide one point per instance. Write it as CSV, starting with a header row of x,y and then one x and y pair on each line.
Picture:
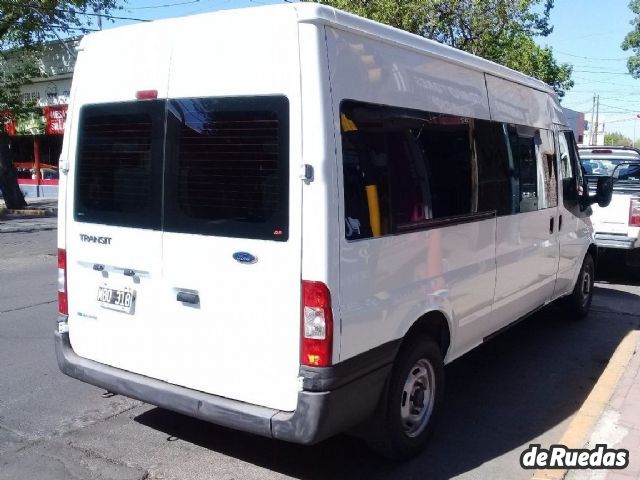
x,y
287,219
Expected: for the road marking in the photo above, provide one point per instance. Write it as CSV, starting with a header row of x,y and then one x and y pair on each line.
x,y
580,428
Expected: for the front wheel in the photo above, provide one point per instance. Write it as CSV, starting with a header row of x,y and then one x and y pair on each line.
x,y
413,401
578,303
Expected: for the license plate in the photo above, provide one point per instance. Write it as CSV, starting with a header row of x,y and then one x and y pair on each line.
x,y
120,300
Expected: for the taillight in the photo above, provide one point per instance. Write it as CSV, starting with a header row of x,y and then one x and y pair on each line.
x,y
634,212
63,305
317,325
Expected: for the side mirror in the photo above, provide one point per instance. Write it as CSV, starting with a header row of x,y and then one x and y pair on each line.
x,y
604,192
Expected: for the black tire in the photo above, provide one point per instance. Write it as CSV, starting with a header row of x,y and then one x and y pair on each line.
x,y
416,386
577,304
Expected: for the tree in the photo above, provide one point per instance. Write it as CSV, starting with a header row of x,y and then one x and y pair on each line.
x,y
632,41
616,138
499,30
26,26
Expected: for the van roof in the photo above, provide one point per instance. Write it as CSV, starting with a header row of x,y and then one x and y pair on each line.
x,y
321,14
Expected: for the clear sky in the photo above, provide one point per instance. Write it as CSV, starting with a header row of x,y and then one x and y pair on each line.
x,y
587,34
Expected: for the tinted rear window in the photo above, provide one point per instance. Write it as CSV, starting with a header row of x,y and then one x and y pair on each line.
x,y
119,165
228,170
225,164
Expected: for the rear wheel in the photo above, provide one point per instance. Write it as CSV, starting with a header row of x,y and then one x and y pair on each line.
x,y
578,303
413,401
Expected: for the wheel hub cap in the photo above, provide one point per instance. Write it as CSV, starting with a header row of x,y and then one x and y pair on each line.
x,y
418,397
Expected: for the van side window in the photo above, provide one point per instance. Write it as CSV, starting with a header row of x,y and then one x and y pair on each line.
x,y
403,168
446,142
533,165
570,171
547,170
523,150
494,183
384,179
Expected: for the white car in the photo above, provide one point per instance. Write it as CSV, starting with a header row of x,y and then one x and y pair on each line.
x,y
617,227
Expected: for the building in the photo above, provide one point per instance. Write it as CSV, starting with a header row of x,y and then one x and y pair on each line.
x,y
36,142
577,123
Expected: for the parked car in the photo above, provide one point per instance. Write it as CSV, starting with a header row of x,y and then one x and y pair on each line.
x,y
617,227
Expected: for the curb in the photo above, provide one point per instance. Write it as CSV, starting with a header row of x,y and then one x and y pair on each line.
x,y
29,212
584,421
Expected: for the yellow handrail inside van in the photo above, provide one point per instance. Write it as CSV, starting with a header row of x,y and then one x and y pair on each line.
x,y
374,209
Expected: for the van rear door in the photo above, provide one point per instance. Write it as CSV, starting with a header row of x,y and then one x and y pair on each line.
x,y
114,238
231,262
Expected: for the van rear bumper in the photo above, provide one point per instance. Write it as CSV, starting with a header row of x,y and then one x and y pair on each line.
x,y
318,415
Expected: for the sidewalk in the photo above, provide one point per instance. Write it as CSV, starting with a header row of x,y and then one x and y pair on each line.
x,y
619,424
35,207
40,214
610,415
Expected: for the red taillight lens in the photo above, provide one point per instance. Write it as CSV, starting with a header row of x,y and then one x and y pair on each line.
x,y
63,305
317,325
634,212
146,94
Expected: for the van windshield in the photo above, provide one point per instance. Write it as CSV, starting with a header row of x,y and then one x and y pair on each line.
x,y
214,166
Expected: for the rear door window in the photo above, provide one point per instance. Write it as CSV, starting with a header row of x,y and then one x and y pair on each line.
x,y
118,179
227,167
210,166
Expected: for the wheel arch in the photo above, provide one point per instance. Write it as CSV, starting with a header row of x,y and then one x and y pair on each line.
x,y
435,324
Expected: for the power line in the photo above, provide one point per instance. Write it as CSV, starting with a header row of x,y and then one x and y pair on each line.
x,y
619,108
603,72
592,58
163,6
601,81
79,12
76,12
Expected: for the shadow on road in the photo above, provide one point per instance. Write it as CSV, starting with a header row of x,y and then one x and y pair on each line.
x,y
611,269
499,397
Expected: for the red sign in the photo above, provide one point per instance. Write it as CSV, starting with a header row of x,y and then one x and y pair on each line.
x,y
9,124
55,116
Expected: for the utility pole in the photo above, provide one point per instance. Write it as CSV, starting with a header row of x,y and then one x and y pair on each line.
x,y
593,109
97,10
597,115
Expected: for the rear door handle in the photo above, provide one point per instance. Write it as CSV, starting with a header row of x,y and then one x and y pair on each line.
x,y
185,297
551,221
560,223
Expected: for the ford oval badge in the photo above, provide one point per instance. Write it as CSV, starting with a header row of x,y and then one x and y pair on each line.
x,y
244,257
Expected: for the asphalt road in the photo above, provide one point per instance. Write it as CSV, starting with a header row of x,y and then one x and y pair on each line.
x,y
522,387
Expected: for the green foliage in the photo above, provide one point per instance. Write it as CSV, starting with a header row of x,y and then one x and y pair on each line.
x,y
616,138
498,30
25,27
632,41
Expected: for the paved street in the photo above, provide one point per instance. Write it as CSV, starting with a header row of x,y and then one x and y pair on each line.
x,y
522,387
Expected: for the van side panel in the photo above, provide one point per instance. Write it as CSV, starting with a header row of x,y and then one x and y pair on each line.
x,y
514,103
379,72
320,228
387,283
